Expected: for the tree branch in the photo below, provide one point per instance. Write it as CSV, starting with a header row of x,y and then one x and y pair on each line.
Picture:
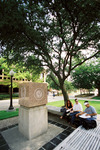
x,y
54,81
85,60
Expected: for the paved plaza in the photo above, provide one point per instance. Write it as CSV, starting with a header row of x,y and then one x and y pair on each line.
x,y
18,142
12,139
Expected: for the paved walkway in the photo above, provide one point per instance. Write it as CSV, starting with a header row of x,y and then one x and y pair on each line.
x,y
4,104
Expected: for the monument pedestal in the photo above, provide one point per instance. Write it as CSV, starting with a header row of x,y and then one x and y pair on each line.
x,y
33,121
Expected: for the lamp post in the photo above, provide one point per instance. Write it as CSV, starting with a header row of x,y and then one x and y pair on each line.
x,y
11,104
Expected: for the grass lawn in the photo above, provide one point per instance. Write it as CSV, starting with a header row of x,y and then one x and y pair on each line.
x,y
95,104
8,114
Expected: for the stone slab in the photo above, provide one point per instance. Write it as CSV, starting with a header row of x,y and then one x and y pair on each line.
x,y
54,110
17,141
8,122
32,94
33,121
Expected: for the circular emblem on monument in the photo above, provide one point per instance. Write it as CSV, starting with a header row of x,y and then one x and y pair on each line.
x,y
38,94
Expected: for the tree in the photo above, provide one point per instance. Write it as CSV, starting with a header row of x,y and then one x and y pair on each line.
x,y
69,86
51,83
87,75
33,71
96,75
59,33
82,77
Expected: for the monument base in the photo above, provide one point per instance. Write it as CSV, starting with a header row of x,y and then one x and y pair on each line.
x,y
33,121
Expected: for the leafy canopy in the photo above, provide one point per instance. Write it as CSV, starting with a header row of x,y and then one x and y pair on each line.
x,y
62,34
87,75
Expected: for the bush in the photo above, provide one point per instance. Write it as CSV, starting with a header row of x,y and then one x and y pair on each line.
x,y
84,95
7,96
96,97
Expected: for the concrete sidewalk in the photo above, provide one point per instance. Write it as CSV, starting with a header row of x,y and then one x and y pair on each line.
x,y
18,142
4,104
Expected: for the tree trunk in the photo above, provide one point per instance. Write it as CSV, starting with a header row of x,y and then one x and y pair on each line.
x,y
81,91
64,92
98,91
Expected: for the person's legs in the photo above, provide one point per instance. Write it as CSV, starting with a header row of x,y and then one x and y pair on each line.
x,y
88,123
89,119
64,113
81,120
73,116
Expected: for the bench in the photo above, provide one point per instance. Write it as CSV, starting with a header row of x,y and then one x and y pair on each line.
x,y
82,139
54,110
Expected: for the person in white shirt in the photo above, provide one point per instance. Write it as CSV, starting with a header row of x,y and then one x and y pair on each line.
x,y
77,108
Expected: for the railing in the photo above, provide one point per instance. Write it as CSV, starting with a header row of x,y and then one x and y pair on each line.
x,y
4,77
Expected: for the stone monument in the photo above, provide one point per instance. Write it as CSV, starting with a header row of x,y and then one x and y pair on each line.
x,y
33,118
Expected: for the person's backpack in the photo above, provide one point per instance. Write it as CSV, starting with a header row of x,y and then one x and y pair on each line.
x,y
89,124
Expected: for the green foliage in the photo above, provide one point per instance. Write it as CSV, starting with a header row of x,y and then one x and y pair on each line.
x,y
7,96
4,65
82,77
57,34
69,87
33,65
87,75
96,73
85,95
96,97
22,71
51,83
38,24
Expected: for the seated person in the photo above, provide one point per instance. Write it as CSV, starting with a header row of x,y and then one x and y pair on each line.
x,y
77,108
91,114
69,107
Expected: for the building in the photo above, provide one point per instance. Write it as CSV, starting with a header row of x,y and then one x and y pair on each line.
x,y
5,82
